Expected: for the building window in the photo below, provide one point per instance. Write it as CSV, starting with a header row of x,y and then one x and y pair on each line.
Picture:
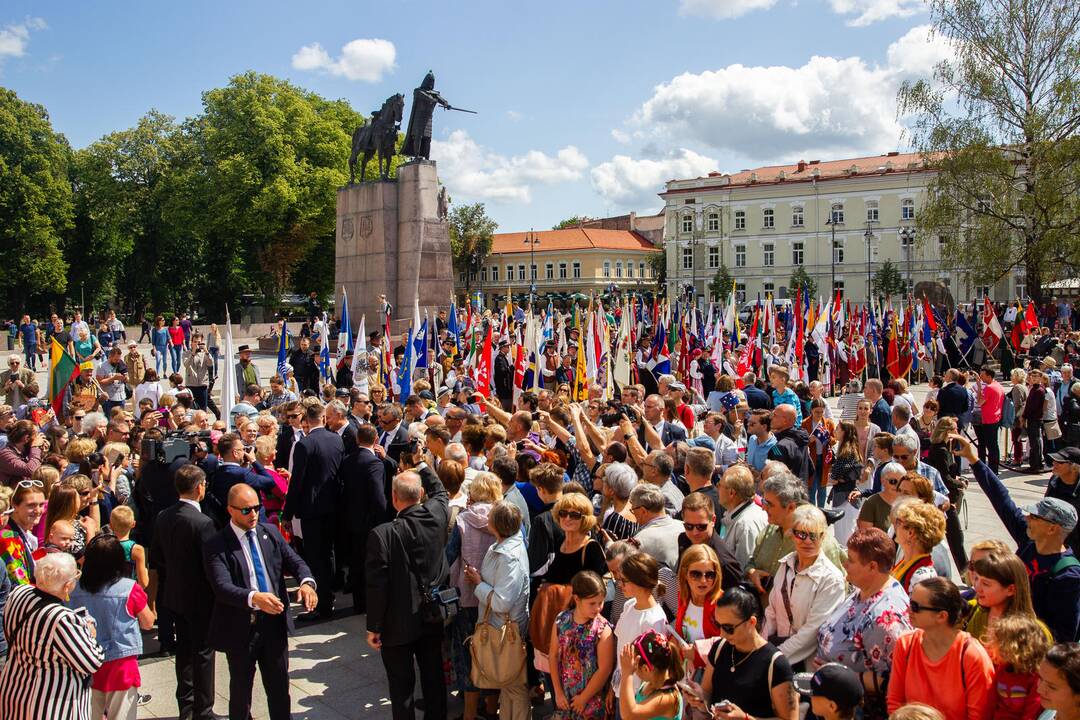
x,y
907,209
740,256
521,273
768,218
607,268
562,271
688,223
838,286
838,252
618,268
740,291
872,214
509,273
767,288
1021,287
714,222
483,274
461,277
688,258
494,273
797,216
768,254
532,272
629,268
549,271
837,216
576,269
714,258
641,269
796,253
907,245
740,219
982,291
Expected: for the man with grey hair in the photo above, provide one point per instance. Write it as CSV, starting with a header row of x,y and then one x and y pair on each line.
x,y
780,495
14,381
743,520
658,533
657,470
94,426
337,420
620,480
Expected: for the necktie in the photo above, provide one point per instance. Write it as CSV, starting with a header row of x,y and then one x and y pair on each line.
x,y
384,438
260,573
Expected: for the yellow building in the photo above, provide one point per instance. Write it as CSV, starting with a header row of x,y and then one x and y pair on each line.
x,y
765,222
558,263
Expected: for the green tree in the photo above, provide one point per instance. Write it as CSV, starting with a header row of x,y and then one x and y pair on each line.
x,y
999,123
35,205
571,222
801,279
720,287
471,233
887,281
658,267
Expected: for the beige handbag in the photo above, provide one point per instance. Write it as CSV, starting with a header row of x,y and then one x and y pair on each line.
x,y
498,653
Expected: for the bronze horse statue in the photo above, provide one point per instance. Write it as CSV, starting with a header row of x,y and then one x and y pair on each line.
x,y
378,135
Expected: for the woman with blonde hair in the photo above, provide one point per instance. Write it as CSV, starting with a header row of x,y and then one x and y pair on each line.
x,y
918,526
77,451
914,485
1018,396
579,550
699,589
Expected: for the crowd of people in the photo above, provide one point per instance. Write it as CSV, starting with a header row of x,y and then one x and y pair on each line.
x,y
737,549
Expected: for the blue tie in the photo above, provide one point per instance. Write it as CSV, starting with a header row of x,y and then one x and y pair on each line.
x,y
260,574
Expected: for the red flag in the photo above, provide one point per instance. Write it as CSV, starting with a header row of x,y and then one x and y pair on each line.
x,y
1031,320
892,356
483,368
746,357
992,332
928,313
798,328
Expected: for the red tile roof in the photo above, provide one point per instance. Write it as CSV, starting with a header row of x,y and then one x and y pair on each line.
x,y
571,239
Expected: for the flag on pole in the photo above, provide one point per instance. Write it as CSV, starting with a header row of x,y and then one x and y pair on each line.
x,y
965,334
283,352
228,378
324,354
484,366
453,332
992,332
360,359
62,370
403,379
345,339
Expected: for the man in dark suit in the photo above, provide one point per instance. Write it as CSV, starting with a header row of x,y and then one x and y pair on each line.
x,y
177,554
314,493
952,398
402,555
337,420
365,504
290,433
504,376
234,466
246,563
756,398
665,432
395,435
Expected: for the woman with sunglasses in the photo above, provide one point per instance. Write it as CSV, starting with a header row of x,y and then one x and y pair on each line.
x,y
918,527
745,674
808,587
875,510
579,550
938,664
699,589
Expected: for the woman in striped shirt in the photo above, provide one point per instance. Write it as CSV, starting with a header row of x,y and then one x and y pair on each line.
x,y
52,651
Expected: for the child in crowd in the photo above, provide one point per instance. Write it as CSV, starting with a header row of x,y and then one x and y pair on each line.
x,y
584,651
1017,644
122,522
59,539
654,663
835,691
641,582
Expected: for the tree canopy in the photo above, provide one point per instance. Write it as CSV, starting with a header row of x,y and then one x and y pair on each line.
x,y
571,222
888,281
471,232
801,279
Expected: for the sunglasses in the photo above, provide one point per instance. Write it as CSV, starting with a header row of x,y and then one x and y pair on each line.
x,y
917,608
699,527
895,482
805,536
728,628
245,511
79,417
702,575
901,456
572,514
30,484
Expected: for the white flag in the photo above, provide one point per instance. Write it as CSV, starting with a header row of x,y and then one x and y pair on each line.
x,y
228,376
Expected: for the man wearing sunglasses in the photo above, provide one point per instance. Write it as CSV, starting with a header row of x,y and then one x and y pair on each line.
x,y
246,563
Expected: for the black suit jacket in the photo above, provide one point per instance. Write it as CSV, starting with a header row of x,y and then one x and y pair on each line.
x,y
504,376
671,433
284,444
419,533
228,573
364,484
314,487
757,399
180,533
397,442
348,439
952,401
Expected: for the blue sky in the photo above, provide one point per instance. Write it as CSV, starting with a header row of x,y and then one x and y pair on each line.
x,y
584,107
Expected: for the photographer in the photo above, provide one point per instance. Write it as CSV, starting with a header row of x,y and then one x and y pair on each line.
x,y
198,365
234,465
112,377
22,455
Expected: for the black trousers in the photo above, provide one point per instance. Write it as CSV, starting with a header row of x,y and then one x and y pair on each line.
x,y
989,449
199,395
269,648
194,669
1035,445
401,677
954,534
358,551
319,535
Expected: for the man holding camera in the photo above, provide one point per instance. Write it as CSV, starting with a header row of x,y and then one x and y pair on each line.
x,y
197,367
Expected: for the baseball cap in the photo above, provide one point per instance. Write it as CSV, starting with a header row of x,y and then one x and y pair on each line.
x,y
703,441
1069,455
832,681
88,365
1054,511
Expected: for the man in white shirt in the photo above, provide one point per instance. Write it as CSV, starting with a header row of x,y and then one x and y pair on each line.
x,y
727,454
901,418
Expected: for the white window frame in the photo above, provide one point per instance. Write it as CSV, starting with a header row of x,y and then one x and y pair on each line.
x,y
714,257
607,268
798,253
740,256
618,268
740,291
641,269
873,211
838,251
838,284
576,270
768,254
549,271
768,287
740,219
483,274
521,273
907,209
768,218
532,272
562,271
509,273
798,215
686,224
836,213
629,268
688,258
713,222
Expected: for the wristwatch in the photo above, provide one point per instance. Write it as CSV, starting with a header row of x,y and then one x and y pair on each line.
x,y
627,436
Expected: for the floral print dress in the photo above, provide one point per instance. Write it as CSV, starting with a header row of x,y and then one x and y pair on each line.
x,y
578,662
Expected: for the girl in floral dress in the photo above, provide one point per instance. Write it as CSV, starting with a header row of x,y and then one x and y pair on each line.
x,y
586,651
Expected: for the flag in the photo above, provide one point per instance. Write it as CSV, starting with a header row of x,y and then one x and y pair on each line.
x,y
453,332
403,380
484,366
581,373
892,354
345,339
62,370
661,356
228,378
822,436
992,332
965,334
623,350
360,359
283,351
324,354
746,358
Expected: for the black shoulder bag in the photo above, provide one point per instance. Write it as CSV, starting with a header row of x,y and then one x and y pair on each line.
x,y
438,605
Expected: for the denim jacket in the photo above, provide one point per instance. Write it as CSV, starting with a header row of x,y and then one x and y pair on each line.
x,y
505,578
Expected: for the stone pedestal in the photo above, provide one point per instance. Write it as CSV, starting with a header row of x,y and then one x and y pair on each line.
x,y
391,241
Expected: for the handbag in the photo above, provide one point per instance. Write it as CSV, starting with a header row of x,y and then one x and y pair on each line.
x,y
438,605
498,653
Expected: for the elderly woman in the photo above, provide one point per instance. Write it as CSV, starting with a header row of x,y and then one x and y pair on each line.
x,y
578,551
52,651
503,583
469,541
862,632
938,664
918,527
1018,396
876,509
619,522
807,589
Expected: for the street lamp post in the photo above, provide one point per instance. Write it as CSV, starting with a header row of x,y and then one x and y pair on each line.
x,y
907,241
869,235
832,251
532,241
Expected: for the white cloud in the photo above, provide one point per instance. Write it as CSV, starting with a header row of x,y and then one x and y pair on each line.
x,y
828,106
363,59
474,172
621,136
513,115
868,12
14,38
633,183
722,9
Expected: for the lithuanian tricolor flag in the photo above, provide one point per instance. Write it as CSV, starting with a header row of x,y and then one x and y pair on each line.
x,y
62,370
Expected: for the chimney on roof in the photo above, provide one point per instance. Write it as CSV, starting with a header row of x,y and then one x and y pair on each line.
x,y
814,162
894,153
802,166
753,177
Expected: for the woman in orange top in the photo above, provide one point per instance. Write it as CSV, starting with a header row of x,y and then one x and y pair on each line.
x,y
936,663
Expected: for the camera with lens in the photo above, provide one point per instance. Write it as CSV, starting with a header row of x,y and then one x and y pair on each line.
x,y
175,444
616,412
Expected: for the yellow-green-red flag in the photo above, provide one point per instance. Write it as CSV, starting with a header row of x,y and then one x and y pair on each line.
x,y
62,370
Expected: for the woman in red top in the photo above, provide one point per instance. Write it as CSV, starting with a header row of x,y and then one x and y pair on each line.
x,y
176,343
699,589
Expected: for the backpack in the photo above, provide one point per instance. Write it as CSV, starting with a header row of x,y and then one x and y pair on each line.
x,y
1008,412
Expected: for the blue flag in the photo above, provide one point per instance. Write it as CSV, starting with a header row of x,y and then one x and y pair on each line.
x,y
420,345
324,355
452,331
965,334
283,351
404,374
